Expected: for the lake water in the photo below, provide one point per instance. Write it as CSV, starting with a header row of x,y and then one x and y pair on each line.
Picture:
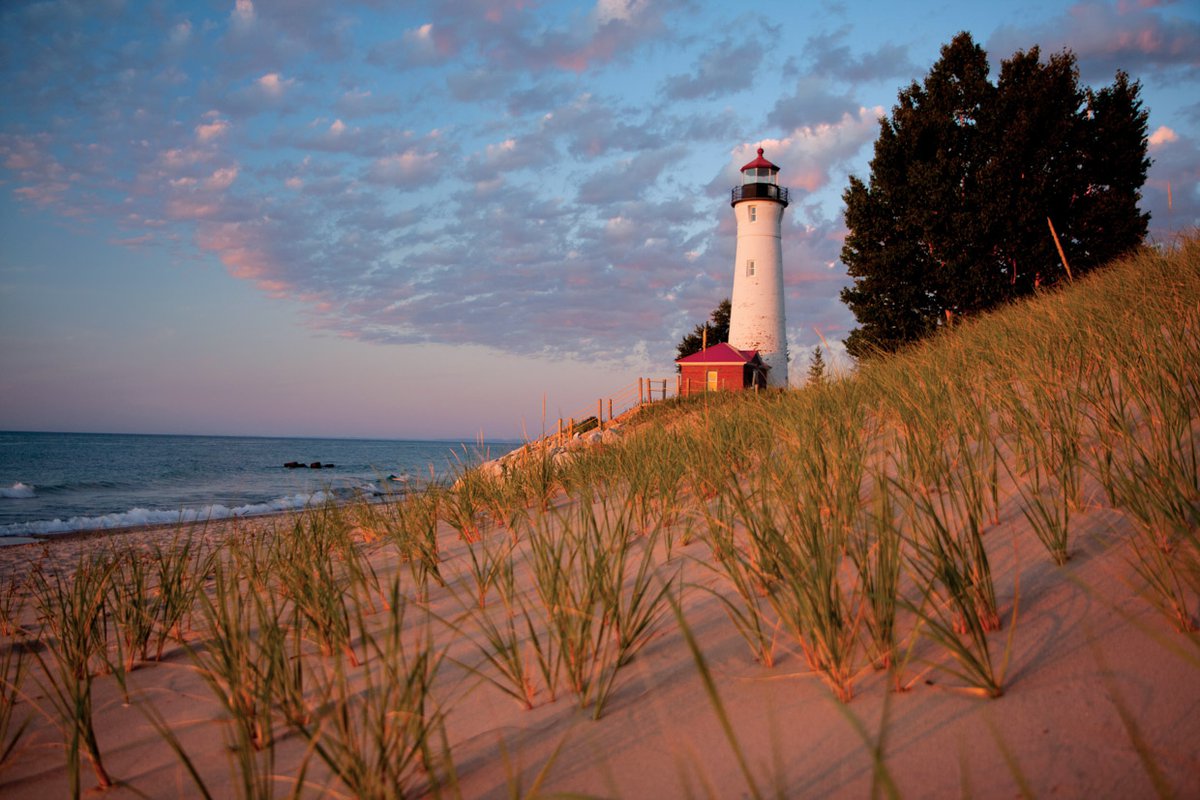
x,y
61,482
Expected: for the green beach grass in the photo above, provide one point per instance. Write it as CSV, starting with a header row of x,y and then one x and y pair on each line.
x,y
849,526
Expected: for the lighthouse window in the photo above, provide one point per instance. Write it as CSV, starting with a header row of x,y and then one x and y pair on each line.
x,y
749,267
753,213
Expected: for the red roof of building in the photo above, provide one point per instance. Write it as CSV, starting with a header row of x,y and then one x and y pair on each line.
x,y
722,353
760,162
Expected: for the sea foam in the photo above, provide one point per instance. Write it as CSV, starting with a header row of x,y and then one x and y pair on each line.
x,y
18,491
145,516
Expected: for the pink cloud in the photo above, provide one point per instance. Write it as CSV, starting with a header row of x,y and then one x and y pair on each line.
x,y
243,14
222,178
1161,136
191,209
207,131
272,85
808,156
239,247
133,241
43,194
1135,37
176,158
404,168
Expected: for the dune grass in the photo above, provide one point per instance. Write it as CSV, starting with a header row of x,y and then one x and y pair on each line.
x,y
849,525
13,668
75,629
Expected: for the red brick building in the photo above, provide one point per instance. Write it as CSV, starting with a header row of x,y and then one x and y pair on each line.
x,y
721,367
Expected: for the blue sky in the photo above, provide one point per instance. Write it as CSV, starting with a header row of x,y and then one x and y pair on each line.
x,y
419,219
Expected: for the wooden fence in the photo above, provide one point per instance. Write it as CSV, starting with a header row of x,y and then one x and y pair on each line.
x,y
606,409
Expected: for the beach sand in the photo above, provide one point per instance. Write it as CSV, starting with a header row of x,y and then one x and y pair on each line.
x,y
1101,695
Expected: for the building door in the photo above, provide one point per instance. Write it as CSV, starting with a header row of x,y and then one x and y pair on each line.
x,y
712,380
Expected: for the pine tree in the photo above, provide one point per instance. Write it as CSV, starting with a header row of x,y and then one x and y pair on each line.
x,y
816,368
718,331
953,219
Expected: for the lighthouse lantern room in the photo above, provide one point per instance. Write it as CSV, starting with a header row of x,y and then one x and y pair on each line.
x,y
756,320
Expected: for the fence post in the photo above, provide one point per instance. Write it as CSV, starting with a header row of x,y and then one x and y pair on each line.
x,y
610,409
664,389
600,415
639,391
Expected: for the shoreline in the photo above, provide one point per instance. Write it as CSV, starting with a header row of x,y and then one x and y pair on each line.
x,y
128,484
63,551
84,534
218,525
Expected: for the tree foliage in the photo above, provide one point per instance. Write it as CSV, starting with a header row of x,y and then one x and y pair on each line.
x,y
966,173
816,368
718,331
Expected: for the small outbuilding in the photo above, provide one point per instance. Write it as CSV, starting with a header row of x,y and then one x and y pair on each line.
x,y
721,366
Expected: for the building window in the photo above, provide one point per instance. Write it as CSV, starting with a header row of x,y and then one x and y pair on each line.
x,y
749,267
711,382
754,213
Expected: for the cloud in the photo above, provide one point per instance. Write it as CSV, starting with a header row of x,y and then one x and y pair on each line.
x,y
606,11
627,177
521,36
509,155
593,126
44,180
1142,39
1171,192
261,36
243,15
479,85
180,157
547,171
221,179
1162,135
426,45
811,154
208,131
810,104
274,86
47,193
180,34
133,241
404,169
725,68
829,56
244,249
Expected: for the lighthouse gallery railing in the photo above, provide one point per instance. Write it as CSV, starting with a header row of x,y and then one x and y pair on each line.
x,y
759,191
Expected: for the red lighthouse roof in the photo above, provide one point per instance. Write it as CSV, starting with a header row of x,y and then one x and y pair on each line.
x,y
760,163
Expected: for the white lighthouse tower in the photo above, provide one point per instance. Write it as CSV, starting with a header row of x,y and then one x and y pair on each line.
x,y
756,317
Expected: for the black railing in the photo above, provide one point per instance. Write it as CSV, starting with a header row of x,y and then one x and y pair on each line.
x,y
759,191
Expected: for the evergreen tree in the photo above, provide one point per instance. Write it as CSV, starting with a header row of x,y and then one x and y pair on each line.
x,y
965,175
718,331
816,368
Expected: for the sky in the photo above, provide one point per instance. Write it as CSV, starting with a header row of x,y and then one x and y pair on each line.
x,y
436,219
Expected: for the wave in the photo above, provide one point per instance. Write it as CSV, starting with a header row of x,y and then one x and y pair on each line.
x,y
18,491
145,516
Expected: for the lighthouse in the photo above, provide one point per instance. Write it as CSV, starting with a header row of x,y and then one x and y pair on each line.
x,y
756,319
